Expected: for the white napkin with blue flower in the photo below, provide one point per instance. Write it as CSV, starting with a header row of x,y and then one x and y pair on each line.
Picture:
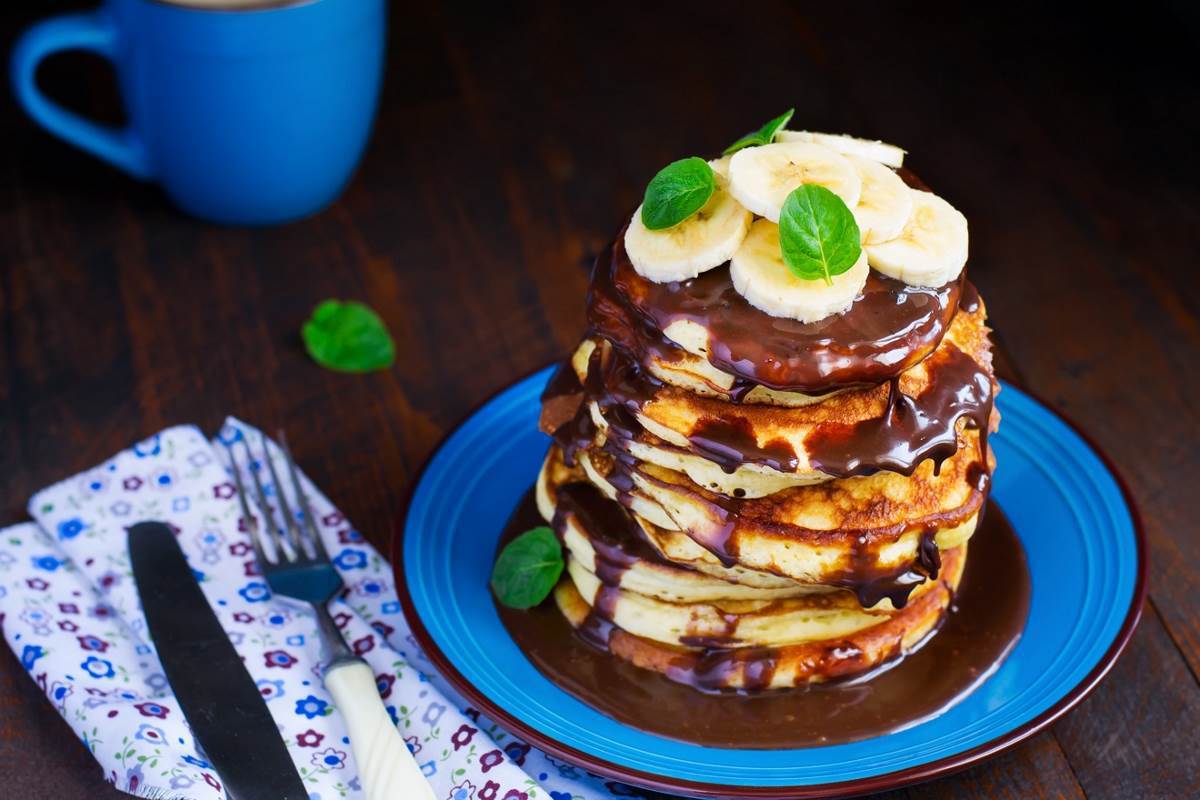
x,y
70,611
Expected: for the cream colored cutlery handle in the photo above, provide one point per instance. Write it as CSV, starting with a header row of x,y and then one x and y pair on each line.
x,y
385,766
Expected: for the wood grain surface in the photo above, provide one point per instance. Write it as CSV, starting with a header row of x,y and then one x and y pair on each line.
x,y
510,145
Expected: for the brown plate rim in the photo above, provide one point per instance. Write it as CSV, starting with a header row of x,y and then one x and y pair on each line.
x,y
876,783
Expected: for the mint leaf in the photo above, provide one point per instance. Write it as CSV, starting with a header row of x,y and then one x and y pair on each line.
x,y
764,135
679,190
527,568
348,337
817,234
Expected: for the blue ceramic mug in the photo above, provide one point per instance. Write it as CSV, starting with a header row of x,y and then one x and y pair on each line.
x,y
247,115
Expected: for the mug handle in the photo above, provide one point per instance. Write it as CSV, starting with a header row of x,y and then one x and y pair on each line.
x,y
94,32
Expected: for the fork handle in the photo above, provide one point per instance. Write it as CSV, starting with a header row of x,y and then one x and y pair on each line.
x,y
385,766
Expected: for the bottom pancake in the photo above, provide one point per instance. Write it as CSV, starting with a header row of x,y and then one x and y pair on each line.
x,y
760,668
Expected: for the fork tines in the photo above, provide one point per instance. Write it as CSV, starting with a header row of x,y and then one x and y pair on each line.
x,y
286,536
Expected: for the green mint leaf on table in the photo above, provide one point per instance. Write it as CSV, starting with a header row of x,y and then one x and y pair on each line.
x,y
348,337
818,234
679,190
527,568
764,135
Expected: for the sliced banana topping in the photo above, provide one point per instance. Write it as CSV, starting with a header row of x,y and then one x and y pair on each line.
x,y
704,240
910,235
885,202
761,178
882,152
932,248
720,167
760,275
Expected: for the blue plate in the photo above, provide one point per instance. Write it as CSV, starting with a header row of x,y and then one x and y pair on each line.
x,y
1084,547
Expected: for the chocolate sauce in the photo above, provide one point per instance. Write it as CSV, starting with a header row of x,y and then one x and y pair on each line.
x,y
614,535
969,300
597,628
872,585
982,627
560,398
713,666
580,431
912,429
729,442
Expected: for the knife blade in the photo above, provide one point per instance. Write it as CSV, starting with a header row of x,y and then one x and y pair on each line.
x,y
220,700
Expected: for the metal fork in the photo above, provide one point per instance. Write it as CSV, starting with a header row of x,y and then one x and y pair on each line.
x,y
295,564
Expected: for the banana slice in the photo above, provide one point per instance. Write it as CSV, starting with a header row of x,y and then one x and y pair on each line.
x,y
720,167
885,202
761,178
932,248
882,152
704,240
760,275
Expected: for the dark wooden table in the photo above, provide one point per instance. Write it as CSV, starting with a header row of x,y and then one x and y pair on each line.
x,y
510,145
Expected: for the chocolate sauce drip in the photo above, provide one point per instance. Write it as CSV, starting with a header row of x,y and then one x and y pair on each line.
x,y
929,556
968,301
578,432
979,476
575,435
561,398
713,669
708,641
729,442
912,429
983,626
615,536
739,389
597,627
724,638
896,588
871,584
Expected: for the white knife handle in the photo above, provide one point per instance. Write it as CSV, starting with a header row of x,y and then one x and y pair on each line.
x,y
385,766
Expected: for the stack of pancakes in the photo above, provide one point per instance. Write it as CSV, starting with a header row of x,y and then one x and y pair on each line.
x,y
748,502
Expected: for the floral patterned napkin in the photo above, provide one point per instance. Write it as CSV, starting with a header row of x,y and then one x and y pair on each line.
x,y
69,610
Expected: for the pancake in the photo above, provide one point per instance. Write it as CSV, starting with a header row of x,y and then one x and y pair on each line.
x,y
682,550
876,535
630,552
731,622
755,668
752,450
608,540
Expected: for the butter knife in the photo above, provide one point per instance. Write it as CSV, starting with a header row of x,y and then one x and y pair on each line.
x,y
220,700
